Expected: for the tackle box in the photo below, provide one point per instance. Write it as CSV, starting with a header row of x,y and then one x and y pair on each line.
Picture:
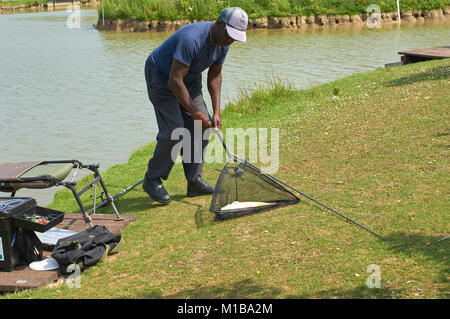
x,y
17,212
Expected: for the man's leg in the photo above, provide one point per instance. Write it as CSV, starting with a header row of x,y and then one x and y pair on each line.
x,y
193,166
168,117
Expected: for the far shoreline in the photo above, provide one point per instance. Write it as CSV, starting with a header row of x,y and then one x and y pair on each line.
x,y
294,22
44,6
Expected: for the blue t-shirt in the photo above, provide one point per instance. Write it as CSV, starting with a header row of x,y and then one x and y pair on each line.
x,y
192,46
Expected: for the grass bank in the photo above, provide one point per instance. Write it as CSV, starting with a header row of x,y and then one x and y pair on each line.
x,y
373,146
171,10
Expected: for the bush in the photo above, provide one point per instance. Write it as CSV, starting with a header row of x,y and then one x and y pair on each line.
x,y
210,9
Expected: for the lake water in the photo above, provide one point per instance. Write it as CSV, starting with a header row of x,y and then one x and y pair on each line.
x,y
76,93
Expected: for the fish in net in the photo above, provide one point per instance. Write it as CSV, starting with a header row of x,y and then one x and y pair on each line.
x,y
243,189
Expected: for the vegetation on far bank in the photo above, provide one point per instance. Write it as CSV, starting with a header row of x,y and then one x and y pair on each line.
x,y
171,10
28,3
374,146
14,3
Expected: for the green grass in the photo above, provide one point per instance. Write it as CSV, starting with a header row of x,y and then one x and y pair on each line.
x,y
376,152
210,9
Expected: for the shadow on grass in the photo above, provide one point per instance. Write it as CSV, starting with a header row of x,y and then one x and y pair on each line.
x,y
185,200
362,292
135,204
436,73
203,217
132,205
445,135
240,289
442,134
248,289
433,247
426,248
419,241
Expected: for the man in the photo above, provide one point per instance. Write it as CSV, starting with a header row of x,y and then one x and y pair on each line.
x,y
173,72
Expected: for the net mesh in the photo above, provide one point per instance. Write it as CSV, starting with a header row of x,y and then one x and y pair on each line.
x,y
243,189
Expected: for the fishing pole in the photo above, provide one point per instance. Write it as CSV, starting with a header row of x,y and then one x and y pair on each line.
x,y
105,201
241,160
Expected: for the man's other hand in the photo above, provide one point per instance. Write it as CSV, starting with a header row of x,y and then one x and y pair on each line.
x,y
217,122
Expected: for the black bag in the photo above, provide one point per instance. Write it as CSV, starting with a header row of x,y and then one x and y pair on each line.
x,y
85,248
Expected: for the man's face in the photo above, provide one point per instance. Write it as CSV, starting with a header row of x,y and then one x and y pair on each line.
x,y
224,38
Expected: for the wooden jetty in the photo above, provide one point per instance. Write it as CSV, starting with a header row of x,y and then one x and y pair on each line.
x,y
59,3
420,55
22,277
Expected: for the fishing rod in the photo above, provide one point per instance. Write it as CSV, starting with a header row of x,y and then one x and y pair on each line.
x,y
235,158
105,201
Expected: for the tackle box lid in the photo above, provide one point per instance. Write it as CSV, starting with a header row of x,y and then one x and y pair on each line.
x,y
10,206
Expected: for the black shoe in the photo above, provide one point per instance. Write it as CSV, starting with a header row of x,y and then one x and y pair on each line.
x,y
199,187
156,191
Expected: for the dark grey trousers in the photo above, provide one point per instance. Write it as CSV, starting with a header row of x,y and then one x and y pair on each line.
x,y
170,115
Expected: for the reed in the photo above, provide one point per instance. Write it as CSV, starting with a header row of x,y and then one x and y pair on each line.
x,y
13,3
210,9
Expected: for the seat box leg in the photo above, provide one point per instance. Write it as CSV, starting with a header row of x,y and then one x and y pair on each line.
x,y
108,195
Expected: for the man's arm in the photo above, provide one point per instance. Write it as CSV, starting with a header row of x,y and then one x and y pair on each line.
x,y
214,88
176,85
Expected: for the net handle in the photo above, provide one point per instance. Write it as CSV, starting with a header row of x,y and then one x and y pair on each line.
x,y
231,155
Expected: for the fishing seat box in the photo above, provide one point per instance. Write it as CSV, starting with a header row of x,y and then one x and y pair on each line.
x,y
15,217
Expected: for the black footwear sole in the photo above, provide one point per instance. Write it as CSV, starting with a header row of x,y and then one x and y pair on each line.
x,y
160,200
197,194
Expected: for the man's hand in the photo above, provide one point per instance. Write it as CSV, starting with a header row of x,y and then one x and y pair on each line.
x,y
206,123
217,122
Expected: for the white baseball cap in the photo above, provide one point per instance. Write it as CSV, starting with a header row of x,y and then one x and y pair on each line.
x,y
236,21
